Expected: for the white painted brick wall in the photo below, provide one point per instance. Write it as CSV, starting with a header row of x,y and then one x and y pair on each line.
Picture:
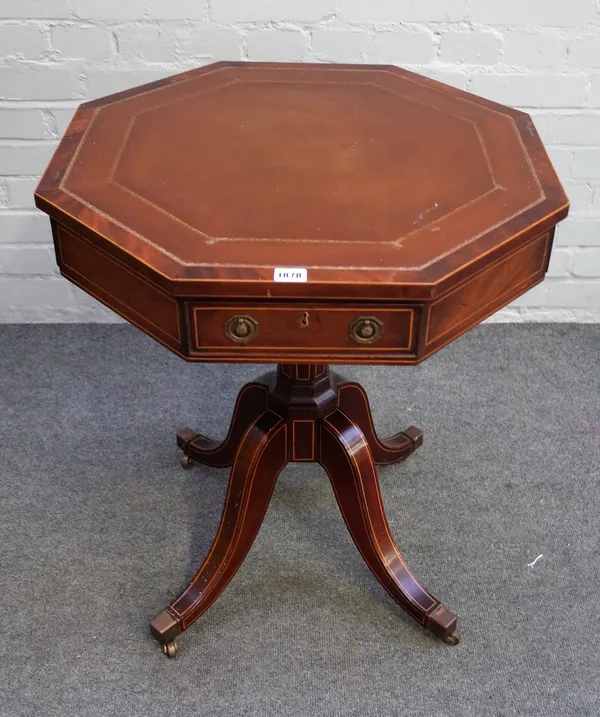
x,y
534,49
35,9
585,163
540,55
342,45
587,263
18,123
20,40
270,45
594,100
405,47
585,52
19,158
80,42
402,11
20,192
534,13
471,48
270,11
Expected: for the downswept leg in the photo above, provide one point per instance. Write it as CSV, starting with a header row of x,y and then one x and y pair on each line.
x,y
251,402
353,401
347,459
261,457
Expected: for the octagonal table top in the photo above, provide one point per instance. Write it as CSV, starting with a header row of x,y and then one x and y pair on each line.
x,y
363,174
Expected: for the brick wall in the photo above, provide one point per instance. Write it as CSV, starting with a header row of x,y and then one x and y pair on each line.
x,y
540,55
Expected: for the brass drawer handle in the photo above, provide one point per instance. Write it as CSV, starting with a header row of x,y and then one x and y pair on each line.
x,y
241,329
366,330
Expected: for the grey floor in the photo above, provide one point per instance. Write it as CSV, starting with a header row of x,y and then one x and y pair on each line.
x,y
100,527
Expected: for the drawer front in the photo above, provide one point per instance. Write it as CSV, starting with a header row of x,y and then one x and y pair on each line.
x,y
259,330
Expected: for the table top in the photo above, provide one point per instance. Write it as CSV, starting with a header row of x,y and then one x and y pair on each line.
x,y
364,175
302,213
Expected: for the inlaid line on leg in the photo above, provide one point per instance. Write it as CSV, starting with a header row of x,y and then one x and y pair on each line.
x,y
260,458
353,401
251,402
346,457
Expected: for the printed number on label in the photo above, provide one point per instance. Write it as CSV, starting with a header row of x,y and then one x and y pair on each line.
x,y
293,274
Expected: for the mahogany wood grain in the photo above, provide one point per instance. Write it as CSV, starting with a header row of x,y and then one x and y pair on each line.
x,y
382,183
486,292
303,327
347,458
137,299
416,209
261,456
250,404
353,402
412,330
302,413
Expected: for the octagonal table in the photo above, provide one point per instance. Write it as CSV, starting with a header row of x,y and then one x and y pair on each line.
x,y
302,215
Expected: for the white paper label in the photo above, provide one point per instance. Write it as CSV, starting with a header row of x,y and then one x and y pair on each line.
x,y
293,274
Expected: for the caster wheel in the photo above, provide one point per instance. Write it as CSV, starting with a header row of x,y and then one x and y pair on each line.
x,y
186,461
452,639
170,649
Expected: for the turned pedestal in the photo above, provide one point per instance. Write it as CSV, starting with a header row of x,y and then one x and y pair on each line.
x,y
301,413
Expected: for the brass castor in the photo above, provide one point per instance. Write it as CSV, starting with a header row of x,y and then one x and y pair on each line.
x,y
452,639
186,461
170,649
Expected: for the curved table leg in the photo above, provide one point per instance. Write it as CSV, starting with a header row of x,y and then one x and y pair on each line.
x,y
260,459
353,401
346,457
251,402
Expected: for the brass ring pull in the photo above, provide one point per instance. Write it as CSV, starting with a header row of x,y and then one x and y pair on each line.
x,y
366,330
241,329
